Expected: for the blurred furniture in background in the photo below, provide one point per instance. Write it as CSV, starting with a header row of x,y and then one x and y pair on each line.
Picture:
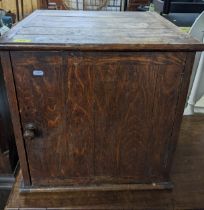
x,y
132,5
196,89
178,6
57,4
22,8
42,4
182,19
7,18
105,5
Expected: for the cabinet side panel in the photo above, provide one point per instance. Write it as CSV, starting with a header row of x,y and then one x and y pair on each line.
x,y
13,103
163,116
185,80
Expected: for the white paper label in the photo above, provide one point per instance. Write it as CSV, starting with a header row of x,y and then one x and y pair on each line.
x,y
38,73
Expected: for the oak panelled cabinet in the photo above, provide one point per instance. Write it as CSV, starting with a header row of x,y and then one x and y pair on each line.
x,y
96,98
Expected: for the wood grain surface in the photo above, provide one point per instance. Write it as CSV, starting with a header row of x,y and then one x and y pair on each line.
x,y
13,105
187,175
8,151
40,101
100,117
99,30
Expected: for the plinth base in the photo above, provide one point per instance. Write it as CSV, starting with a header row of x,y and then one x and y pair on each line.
x,y
96,188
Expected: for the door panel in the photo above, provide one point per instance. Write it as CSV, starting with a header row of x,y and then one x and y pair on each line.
x,y
101,117
123,108
135,96
58,107
80,121
40,102
163,116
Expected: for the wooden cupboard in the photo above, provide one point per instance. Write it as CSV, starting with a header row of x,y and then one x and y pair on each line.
x,y
96,101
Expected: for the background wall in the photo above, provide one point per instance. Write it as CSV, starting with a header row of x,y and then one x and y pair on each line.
x,y
25,7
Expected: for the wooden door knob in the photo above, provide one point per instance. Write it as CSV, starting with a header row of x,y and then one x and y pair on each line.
x,y
29,131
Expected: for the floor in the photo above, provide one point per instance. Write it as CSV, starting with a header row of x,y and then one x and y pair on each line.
x,y
187,175
3,198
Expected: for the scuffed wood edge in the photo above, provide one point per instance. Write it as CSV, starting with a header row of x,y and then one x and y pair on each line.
x,y
13,104
5,46
96,188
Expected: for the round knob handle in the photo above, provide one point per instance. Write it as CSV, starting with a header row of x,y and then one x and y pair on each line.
x,y
28,134
30,130
30,126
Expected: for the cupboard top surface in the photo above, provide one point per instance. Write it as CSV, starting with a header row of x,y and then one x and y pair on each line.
x,y
99,30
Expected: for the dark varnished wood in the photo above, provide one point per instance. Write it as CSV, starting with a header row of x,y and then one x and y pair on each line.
x,y
8,77
122,111
42,151
187,175
107,118
80,115
118,108
112,31
179,110
97,188
166,97
92,124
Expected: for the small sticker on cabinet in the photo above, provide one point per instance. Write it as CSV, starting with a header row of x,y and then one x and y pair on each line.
x,y
22,40
38,73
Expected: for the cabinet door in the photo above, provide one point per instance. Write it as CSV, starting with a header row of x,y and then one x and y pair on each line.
x,y
99,117
61,110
